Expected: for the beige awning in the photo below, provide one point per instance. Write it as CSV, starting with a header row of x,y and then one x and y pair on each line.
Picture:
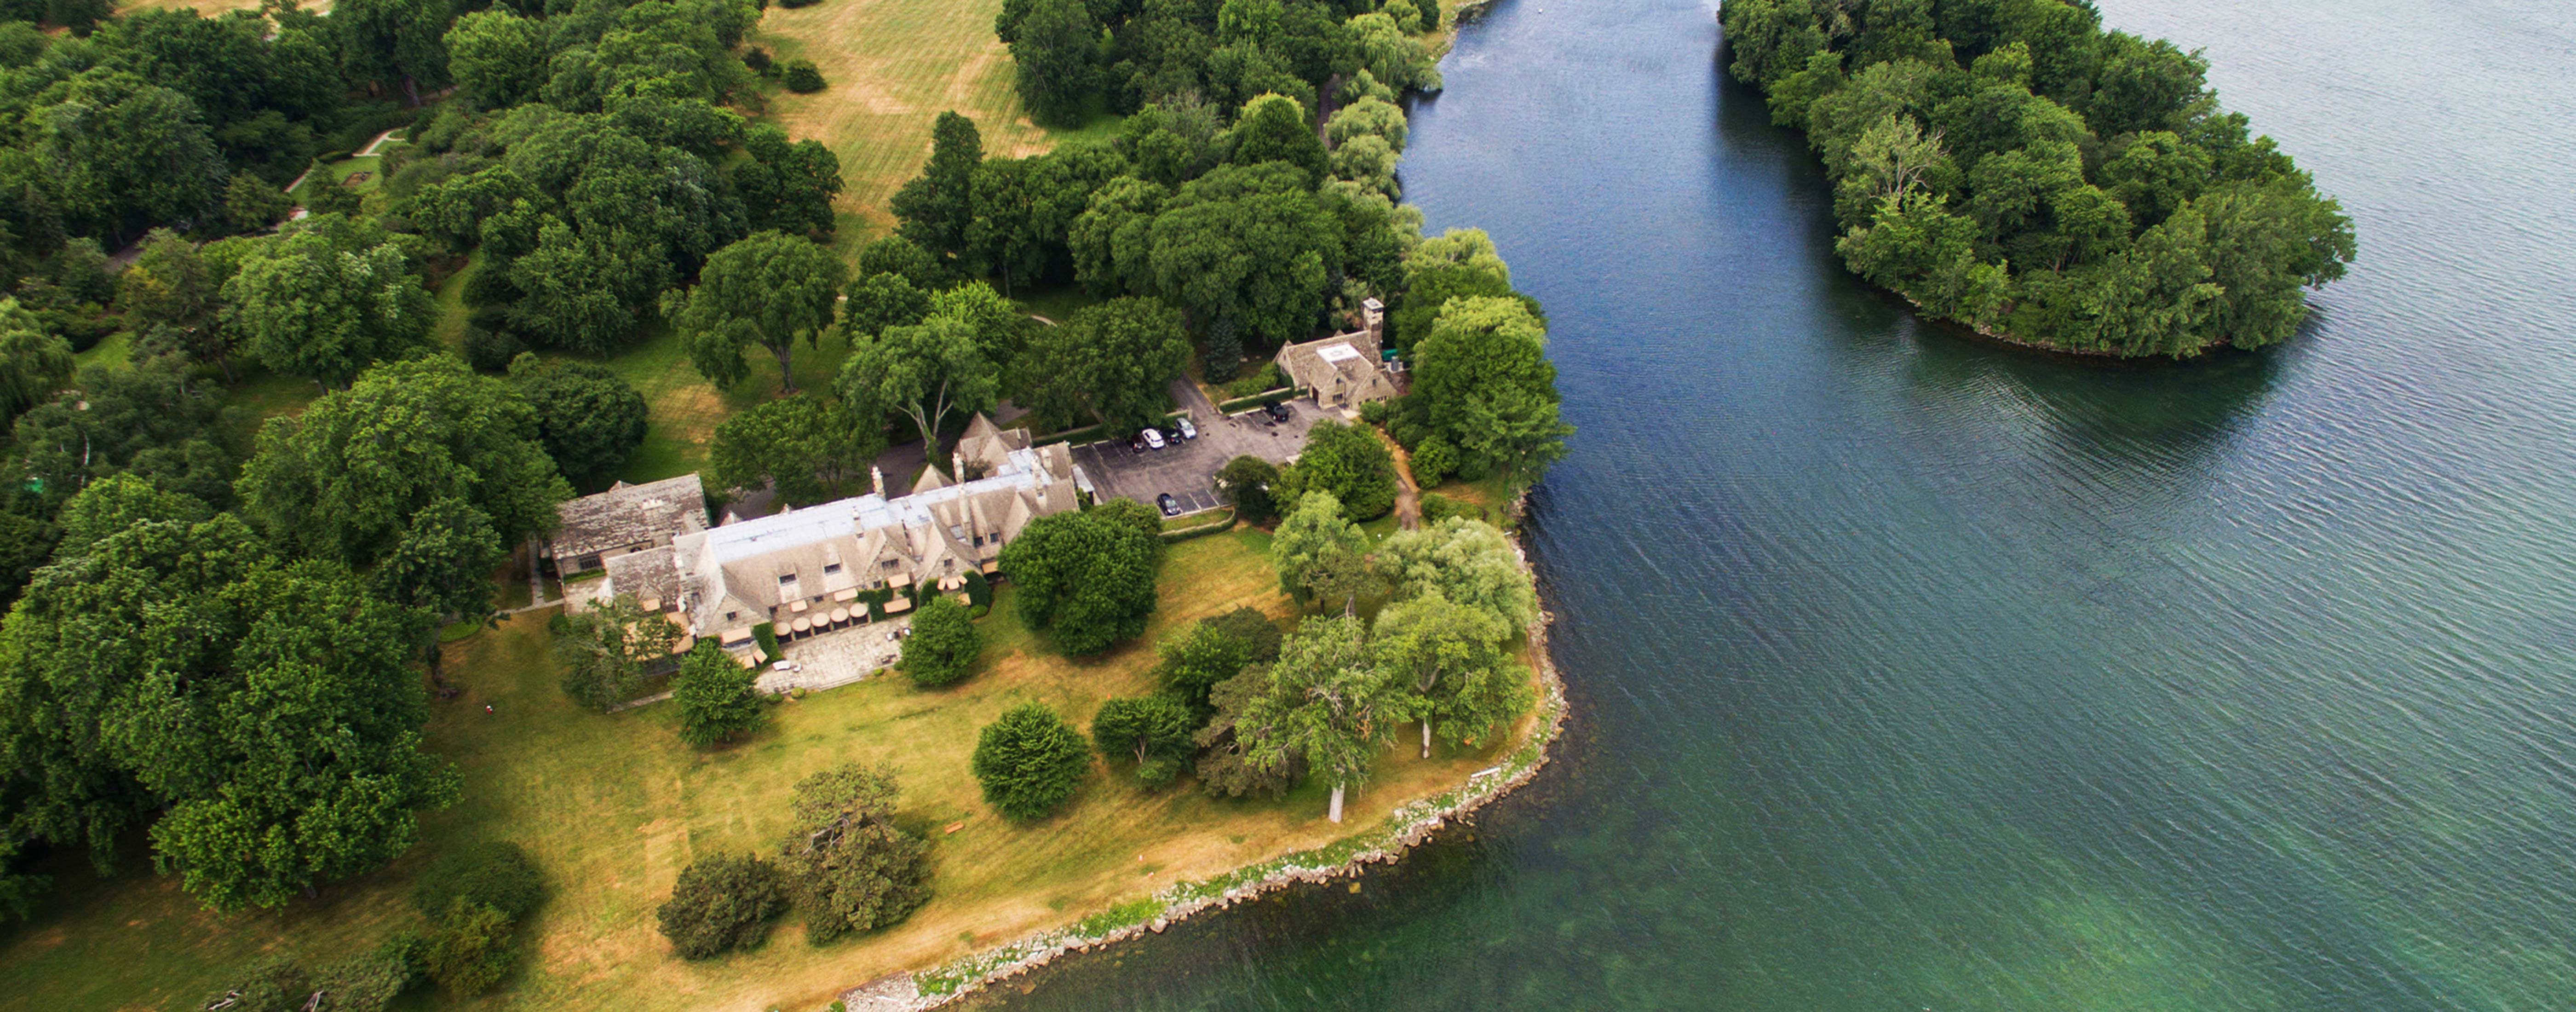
x,y
677,618
966,599
740,634
649,603
803,624
840,615
797,605
993,567
850,594
683,646
898,606
899,579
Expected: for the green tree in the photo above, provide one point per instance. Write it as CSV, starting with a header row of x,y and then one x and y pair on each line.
x,y
769,290
925,372
123,153
1115,359
1112,240
33,363
718,697
1213,650
1467,562
1087,578
802,77
1246,482
589,418
494,873
847,864
1248,243
603,652
1029,761
1328,703
328,297
722,902
1451,657
389,42
267,729
810,449
1156,729
1348,461
1368,117
350,478
252,204
1319,553
1057,47
943,645
172,287
936,207
498,57
1274,128
471,950
1484,376
874,302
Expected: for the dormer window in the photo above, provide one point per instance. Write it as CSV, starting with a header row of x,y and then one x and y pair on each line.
x,y
787,579
831,567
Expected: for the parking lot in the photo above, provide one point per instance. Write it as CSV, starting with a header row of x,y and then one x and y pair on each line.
x,y
1186,468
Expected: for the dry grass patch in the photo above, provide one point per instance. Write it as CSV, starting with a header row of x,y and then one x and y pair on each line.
x,y
893,67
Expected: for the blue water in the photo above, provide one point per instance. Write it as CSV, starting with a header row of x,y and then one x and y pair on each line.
x,y
1912,672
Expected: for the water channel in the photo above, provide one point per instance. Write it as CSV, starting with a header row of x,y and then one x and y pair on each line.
x,y
1914,673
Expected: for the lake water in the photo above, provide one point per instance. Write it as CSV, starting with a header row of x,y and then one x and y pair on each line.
x,y
1916,673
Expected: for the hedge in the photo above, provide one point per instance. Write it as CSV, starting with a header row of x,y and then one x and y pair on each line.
x,y
767,634
1254,401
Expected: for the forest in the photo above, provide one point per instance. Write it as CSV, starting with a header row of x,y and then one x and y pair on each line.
x,y
2014,167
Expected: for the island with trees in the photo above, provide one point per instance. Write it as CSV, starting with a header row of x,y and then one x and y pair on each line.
x,y
2012,166
315,321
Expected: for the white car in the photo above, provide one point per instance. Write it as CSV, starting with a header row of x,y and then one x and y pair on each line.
x,y
1154,439
1188,431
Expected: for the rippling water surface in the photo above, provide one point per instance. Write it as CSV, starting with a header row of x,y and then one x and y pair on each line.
x,y
1915,673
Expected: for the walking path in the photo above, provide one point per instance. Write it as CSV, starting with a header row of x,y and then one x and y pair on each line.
x,y
1408,495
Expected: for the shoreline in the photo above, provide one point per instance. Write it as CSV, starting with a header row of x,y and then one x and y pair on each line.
x,y
1409,825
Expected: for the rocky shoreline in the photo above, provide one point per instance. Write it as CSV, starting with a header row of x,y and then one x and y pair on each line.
x,y
1408,826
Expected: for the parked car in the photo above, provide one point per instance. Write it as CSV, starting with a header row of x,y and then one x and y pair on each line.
x,y
1153,438
1171,507
1278,412
1188,431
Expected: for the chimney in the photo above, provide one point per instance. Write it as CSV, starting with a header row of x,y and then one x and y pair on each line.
x,y
957,466
876,479
1373,316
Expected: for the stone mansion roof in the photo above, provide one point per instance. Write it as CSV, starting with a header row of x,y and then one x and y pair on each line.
x,y
756,570
630,517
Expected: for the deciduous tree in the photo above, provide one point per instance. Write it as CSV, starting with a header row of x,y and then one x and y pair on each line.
x,y
602,654
722,902
1328,703
809,448
848,866
1319,553
589,418
1087,578
769,290
943,645
1451,657
328,297
718,697
1155,729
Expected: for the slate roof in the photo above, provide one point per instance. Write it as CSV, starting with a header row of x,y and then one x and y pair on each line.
x,y
629,515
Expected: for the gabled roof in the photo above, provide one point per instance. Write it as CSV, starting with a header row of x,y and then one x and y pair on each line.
x,y
630,515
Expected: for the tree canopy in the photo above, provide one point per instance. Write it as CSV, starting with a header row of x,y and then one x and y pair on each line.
x,y
809,448
722,902
1112,362
1029,761
943,645
1348,461
769,290
718,697
589,418
327,298
1326,702
1087,578
2010,165
848,866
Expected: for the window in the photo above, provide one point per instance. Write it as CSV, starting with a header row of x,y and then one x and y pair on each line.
x,y
887,564
831,567
979,541
732,615
787,579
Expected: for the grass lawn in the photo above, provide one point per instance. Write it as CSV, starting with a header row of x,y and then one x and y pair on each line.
x,y
686,408
613,806
893,66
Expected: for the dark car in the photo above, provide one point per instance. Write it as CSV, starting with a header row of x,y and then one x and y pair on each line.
x,y
1278,412
1171,507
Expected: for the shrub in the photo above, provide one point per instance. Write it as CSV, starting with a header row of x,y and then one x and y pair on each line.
x,y
943,645
1376,412
274,984
327,196
1030,761
979,591
722,903
471,950
491,286
368,982
497,874
766,635
849,866
1347,461
1437,507
802,77
1260,381
757,59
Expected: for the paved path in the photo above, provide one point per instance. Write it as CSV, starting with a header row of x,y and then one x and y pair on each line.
x,y
1408,495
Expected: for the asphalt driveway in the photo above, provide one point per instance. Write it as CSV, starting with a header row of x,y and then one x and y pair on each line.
x,y
1186,468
